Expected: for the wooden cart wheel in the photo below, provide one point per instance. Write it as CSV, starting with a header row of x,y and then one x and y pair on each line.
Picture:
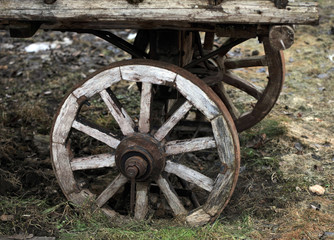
x,y
234,86
131,167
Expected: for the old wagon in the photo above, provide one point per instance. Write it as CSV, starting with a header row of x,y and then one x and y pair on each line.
x,y
178,148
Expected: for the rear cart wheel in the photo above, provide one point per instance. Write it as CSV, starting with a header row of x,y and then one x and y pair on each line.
x,y
106,147
248,99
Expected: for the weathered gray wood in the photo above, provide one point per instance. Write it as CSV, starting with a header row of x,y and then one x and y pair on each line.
x,y
198,218
64,120
172,121
172,199
189,145
226,180
141,207
110,191
145,108
96,133
121,13
196,96
62,167
147,73
98,83
118,112
93,162
189,175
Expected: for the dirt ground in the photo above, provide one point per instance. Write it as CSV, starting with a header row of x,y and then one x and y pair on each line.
x,y
289,151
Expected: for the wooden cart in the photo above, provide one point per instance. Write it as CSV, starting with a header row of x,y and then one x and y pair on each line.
x,y
179,153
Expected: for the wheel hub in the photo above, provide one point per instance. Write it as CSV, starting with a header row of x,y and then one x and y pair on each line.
x,y
140,157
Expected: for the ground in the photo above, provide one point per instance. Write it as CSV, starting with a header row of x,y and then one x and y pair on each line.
x,y
289,151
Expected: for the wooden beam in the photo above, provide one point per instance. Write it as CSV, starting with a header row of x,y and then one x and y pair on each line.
x,y
151,12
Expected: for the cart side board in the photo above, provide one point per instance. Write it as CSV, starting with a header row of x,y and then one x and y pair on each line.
x,y
66,14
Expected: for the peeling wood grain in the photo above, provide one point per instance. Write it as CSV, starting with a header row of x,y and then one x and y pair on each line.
x,y
118,112
197,97
65,118
172,121
145,108
93,162
195,11
96,133
189,175
98,83
171,196
110,191
189,145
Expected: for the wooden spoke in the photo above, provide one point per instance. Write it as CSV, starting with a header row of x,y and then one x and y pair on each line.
x,y
93,162
96,132
145,107
172,121
222,94
171,196
256,61
110,191
189,175
118,112
189,145
141,207
242,84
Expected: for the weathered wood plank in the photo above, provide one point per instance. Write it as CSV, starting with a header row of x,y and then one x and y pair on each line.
x,y
189,145
96,133
196,96
195,11
146,73
189,175
172,121
145,108
226,180
198,218
98,83
61,164
93,162
112,188
172,198
64,120
118,112
141,208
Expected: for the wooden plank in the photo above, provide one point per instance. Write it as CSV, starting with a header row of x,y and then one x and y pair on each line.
x,y
93,162
189,145
171,196
189,175
145,108
118,112
195,11
141,208
110,191
96,133
172,121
